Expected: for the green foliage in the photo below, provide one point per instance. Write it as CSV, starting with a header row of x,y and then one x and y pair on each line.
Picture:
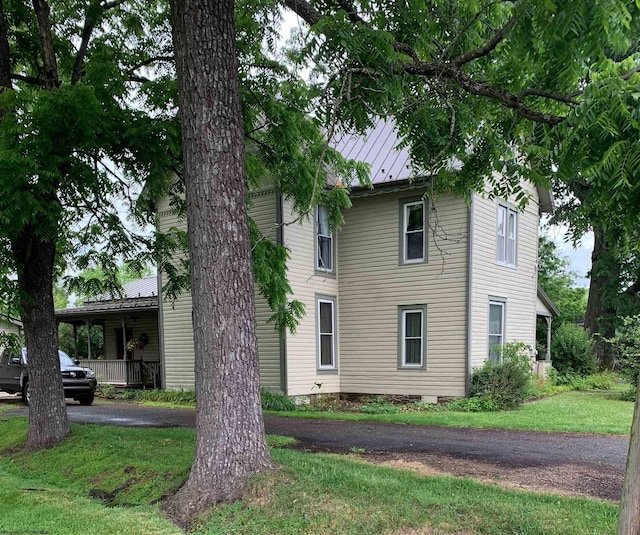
x,y
558,282
596,381
380,406
475,404
272,401
504,383
627,345
571,351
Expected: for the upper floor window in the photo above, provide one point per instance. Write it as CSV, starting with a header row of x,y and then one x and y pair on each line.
x,y
413,232
506,236
324,240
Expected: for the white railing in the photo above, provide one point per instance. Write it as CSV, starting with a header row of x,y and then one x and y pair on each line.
x,y
125,372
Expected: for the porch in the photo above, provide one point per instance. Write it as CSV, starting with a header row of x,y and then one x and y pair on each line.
x,y
126,373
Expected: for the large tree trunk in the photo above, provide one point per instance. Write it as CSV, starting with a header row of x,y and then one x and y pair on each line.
x,y
629,516
48,423
230,442
600,315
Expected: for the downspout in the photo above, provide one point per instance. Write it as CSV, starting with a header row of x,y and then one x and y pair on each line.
x,y
283,337
160,322
469,299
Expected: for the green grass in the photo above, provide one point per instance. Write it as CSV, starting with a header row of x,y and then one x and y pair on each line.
x,y
309,494
601,412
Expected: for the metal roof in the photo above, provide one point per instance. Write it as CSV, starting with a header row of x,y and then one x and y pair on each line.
x,y
379,147
145,287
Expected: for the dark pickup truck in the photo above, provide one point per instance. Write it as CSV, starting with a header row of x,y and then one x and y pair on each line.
x,y
79,383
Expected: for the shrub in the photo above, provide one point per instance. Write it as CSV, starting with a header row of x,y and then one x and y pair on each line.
x,y
627,345
505,383
476,404
272,401
571,351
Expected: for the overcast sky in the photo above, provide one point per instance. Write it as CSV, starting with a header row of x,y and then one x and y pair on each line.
x,y
580,258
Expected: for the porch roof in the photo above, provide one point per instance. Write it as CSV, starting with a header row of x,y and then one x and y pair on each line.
x,y
105,308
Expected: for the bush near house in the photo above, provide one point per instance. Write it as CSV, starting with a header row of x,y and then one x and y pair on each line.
x,y
571,351
505,383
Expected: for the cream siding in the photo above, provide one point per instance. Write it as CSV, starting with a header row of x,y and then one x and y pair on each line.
x,y
139,323
176,317
303,377
516,286
373,285
8,327
542,309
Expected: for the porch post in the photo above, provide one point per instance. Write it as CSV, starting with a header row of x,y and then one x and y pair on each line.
x,y
548,355
75,340
87,324
124,350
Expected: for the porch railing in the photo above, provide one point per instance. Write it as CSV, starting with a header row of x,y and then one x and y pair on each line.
x,y
125,372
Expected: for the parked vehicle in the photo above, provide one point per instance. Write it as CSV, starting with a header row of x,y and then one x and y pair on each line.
x,y
79,383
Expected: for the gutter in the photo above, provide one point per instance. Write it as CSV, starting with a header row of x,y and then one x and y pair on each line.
x,y
283,337
469,299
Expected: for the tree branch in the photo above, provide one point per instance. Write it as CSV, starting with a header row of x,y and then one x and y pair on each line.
x,y
488,48
566,99
28,79
447,70
5,63
50,64
94,11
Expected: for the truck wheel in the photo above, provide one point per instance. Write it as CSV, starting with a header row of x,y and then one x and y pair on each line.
x,y
86,399
26,392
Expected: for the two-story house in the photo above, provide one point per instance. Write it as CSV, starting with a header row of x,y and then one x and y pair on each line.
x,y
406,298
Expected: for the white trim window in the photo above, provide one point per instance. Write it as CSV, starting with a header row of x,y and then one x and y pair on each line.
x,y
324,240
412,342
413,232
507,229
496,329
326,328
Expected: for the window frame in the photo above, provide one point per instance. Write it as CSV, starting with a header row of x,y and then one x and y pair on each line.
x,y
333,367
495,301
403,220
331,237
403,310
502,249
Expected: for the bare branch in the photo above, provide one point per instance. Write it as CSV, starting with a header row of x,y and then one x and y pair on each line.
x,y
566,99
149,61
488,48
94,11
28,79
51,80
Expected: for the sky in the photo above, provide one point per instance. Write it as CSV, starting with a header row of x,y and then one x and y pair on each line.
x,y
579,258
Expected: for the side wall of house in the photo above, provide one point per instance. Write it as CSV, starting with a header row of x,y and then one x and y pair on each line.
x,y
8,327
374,285
176,317
303,376
515,286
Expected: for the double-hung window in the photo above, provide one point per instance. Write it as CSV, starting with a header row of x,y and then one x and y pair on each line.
x,y
324,241
326,330
496,329
413,235
506,236
412,321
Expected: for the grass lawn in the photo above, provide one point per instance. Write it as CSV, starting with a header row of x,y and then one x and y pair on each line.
x,y
310,494
600,412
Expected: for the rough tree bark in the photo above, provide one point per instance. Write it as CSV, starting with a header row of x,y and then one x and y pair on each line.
x,y
629,516
48,422
230,442
600,314
35,255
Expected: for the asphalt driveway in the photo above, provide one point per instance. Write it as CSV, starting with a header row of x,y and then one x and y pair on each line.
x,y
595,463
